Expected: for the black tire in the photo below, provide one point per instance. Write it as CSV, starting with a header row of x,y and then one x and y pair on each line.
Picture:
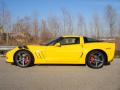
x,y
23,58
95,59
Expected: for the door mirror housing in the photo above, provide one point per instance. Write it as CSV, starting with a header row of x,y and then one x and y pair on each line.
x,y
57,44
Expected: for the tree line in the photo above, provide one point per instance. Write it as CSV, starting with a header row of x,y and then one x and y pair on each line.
x,y
32,30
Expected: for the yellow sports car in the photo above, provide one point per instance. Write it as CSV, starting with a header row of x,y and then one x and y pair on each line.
x,y
64,50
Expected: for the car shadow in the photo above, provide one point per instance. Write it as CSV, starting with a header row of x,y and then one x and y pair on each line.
x,y
60,65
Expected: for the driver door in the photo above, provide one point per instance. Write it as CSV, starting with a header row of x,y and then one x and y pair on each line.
x,y
69,51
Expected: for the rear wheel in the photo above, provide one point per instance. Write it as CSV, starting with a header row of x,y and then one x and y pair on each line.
x,y
95,59
23,58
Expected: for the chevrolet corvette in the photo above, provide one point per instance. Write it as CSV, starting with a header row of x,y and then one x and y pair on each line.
x,y
64,50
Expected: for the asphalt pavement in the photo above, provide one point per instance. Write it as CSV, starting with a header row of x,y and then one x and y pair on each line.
x,y
59,77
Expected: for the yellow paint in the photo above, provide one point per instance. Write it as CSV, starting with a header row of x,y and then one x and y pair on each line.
x,y
65,54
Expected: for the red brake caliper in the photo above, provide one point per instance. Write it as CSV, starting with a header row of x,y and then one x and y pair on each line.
x,y
92,59
26,59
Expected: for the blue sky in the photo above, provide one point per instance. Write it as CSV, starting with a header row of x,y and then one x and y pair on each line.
x,y
44,8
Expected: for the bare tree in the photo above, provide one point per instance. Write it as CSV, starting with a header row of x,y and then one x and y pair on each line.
x,y
22,25
81,26
54,26
45,35
5,17
22,29
96,25
111,19
119,26
68,24
35,29
5,20
91,29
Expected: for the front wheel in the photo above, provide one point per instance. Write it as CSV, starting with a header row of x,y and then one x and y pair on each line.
x,y
95,59
23,58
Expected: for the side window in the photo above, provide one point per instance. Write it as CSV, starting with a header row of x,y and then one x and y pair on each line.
x,y
70,40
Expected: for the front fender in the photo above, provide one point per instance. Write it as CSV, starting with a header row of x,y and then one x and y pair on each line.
x,y
9,55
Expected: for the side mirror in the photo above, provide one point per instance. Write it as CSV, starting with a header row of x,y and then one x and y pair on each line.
x,y
57,44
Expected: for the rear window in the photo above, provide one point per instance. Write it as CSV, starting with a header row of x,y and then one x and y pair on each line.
x,y
89,40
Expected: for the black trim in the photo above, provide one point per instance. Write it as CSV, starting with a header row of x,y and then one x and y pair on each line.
x,y
23,47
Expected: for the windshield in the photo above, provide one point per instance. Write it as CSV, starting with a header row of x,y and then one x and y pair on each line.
x,y
53,42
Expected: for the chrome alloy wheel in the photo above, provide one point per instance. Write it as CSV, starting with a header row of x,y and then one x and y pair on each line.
x,y
23,59
96,59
